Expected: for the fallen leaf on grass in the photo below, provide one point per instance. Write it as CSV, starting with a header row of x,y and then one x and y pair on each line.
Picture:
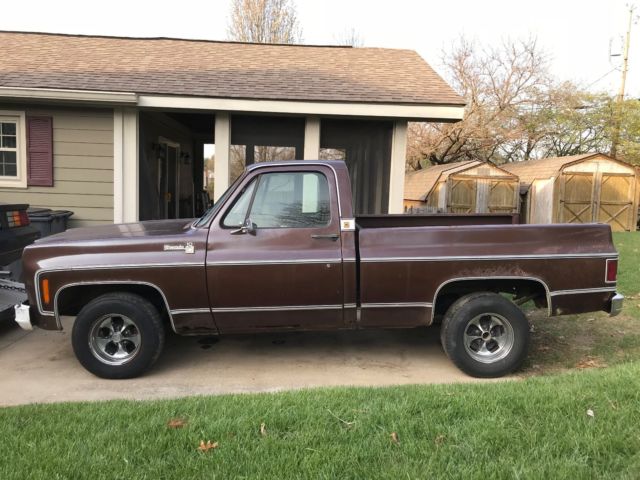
x,y
439,440
590,413
394,437
176,423
205,447
589,362
263,429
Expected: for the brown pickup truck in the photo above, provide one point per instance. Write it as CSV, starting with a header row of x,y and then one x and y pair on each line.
x,y
282,250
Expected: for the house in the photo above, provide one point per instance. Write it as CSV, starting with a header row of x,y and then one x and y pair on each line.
x,y
462,187
116,129
586,188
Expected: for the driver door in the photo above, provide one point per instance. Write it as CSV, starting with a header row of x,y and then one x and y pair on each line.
x,y
274,256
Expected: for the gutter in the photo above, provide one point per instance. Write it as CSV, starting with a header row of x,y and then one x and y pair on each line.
x,y
430,112
75,96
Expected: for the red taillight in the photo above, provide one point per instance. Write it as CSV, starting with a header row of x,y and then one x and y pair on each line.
x,y
612,270
24,218
17,218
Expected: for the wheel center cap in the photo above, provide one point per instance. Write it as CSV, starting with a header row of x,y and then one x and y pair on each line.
x,y
486,336
116,337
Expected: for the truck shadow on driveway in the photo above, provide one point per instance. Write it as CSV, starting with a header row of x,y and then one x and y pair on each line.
x,y
40,366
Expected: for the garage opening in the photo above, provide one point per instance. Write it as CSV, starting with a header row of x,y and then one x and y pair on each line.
x,y
173,178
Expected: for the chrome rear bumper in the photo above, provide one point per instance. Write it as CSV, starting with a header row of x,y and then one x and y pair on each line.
x,y
22,316
616,304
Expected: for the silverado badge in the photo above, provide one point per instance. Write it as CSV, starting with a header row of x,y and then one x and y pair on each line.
x,y
187,247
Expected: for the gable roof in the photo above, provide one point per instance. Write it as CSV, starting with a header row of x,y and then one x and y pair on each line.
x,y
167,66
418,185
530,170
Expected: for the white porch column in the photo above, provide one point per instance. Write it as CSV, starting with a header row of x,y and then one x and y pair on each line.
x,y
125,165
222,157
398,159
312,138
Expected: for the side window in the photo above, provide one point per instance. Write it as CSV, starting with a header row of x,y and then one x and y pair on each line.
x,y
291,200
13,150
236,214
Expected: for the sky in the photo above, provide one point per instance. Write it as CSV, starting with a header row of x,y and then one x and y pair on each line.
x,y
579,35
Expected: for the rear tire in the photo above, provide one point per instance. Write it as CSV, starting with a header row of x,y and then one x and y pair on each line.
x,y
485,335
118,335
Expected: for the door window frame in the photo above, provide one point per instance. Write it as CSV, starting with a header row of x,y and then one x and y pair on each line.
x,y
294,169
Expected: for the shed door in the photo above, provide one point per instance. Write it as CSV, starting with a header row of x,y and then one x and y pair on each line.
x,y
503,196
576,199
461,195
616,201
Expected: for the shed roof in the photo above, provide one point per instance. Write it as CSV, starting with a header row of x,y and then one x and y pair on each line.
x,y
418,185
545,167
169,66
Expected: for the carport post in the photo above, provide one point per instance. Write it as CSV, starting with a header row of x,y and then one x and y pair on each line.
x,y
312,138
222,154
125,165
398,158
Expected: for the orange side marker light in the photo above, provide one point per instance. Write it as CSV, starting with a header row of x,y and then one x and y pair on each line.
x,y
46,297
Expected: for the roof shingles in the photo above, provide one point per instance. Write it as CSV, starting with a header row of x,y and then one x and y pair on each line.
x,y
220,69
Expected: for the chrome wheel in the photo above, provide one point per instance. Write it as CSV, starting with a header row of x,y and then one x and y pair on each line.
x,y
114,339
488,337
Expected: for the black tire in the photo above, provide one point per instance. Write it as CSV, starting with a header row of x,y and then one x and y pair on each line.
x,y
128,318
466,342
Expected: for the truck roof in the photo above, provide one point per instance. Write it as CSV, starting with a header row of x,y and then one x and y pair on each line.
x,y
328,163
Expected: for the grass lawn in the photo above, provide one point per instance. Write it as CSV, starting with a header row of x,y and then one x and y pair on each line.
x,y
593,340
577,424
535,428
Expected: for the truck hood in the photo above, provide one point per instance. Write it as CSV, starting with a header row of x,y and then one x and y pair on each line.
x,y
113,233
152,242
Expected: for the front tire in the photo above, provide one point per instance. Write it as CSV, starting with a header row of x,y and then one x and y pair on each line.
x,y
485,335
118,335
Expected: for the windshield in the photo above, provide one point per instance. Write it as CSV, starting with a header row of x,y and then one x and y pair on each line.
x,y
209,214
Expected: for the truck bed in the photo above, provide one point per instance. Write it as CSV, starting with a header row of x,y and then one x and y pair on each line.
x,y
402,270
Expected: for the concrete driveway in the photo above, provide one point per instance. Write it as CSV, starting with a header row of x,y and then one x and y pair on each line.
x,y
39,366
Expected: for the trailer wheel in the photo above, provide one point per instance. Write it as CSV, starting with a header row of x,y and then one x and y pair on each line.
x,y
485,335
118,335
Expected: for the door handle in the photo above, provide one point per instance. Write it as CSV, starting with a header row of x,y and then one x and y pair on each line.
x,y
329,236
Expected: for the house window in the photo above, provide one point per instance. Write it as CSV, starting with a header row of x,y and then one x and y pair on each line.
x,y
12,150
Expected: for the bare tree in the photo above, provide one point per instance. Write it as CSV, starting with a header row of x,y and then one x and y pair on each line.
x,y
506,88
350,37
516,111
264,21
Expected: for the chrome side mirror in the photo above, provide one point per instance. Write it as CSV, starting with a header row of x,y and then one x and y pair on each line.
x,y
247,227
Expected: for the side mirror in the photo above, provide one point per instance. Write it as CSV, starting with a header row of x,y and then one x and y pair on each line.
x,y
247,227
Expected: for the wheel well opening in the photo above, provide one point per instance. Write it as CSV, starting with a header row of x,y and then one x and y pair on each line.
x,y
71,299
520,290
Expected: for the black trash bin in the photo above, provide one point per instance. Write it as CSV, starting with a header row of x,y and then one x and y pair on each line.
x,y
47,221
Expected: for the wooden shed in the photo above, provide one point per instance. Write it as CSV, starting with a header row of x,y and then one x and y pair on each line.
x,y
463,187
586,188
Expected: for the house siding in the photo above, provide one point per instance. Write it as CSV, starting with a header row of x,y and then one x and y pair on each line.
x,y
82,165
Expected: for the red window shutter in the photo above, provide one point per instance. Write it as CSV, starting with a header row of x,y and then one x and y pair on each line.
x,y
40,151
